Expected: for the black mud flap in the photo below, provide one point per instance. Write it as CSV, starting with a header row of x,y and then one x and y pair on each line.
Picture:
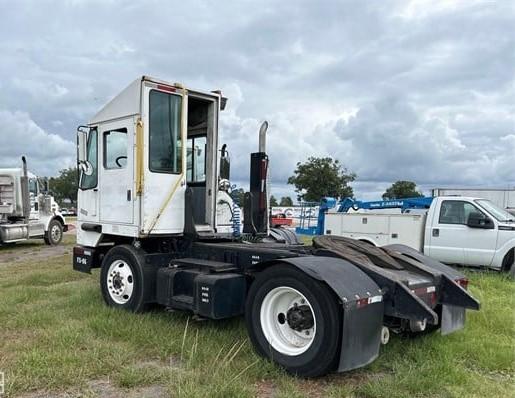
x,y
453,319
361,336
362,303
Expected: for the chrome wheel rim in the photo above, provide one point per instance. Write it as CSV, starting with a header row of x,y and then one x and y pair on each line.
x,y
55,233
120,282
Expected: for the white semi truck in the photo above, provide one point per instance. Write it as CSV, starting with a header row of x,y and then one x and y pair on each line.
x,y
455,230
151,202
27,210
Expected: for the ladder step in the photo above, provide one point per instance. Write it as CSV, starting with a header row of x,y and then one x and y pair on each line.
x,y
182,301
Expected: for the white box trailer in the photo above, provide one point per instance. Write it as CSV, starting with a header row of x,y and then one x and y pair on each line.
x,y
504,198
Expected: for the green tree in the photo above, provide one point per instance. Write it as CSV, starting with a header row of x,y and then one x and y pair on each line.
x,y
402,189
273,201
65,185
319,177
286,201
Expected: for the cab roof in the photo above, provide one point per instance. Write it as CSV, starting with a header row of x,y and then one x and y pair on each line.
x,y
128,101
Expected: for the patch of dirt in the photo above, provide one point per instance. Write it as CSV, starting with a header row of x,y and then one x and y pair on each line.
x,y
265,389
35,252
102,388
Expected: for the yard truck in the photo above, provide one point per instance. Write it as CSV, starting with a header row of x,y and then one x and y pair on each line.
x,y
27,210
463,230
151,190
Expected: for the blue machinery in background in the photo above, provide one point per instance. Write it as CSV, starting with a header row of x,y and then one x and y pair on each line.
x,y
348,203
404,204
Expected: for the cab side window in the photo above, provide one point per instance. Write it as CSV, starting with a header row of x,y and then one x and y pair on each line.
x,y
115,149
165,143
456,212
33,186
196,159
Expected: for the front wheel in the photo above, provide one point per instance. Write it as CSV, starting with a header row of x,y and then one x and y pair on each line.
x,y
124,279
54,234
294,320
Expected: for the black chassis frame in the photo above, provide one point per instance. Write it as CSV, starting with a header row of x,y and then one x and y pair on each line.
x,y
369,296
362,325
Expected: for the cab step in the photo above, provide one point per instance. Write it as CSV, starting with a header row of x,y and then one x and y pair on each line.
x,y
182,302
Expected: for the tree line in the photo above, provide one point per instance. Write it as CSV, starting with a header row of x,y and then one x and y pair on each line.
x,y
320,177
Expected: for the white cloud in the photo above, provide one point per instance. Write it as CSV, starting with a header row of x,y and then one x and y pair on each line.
x,y
394,89
46,153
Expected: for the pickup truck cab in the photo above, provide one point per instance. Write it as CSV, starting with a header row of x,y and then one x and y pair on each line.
x,y
469,231
455,230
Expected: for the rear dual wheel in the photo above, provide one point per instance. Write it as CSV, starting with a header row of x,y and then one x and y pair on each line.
x,y
294,320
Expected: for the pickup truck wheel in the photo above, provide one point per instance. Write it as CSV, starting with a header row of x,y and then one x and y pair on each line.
x,y
122,279
294,320
54,234
508,263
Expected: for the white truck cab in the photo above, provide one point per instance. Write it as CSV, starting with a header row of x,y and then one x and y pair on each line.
x,y
455,230
470,231
27,210
141,153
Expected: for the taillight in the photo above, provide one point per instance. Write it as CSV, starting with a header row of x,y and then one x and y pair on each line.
x,y
463,282
433,299
363,302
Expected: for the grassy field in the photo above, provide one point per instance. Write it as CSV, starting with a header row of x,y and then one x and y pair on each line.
x,y
59,339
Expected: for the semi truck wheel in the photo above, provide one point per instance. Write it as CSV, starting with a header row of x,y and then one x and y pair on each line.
x,y
122,279
294,320
54,234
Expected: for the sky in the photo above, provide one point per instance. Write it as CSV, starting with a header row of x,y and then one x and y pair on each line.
x,y
414,90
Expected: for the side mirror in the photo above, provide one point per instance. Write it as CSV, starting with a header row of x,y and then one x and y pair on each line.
x,y
479,220
44,185
82,144
225,164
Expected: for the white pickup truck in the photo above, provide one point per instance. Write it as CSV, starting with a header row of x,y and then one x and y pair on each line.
x,y
454,230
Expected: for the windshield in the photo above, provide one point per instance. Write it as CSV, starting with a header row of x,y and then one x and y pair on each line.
x,y
494,210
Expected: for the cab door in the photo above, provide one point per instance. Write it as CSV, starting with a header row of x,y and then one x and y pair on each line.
x,y
453,241
164,182
447,234
116,171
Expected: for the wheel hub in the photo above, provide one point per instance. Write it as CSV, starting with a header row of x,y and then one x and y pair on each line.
x,y
287,320
120,282
55,232
300,317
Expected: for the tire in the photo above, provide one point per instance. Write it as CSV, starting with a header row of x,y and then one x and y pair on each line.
x,y
125,281
54,234
318,347
508,264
